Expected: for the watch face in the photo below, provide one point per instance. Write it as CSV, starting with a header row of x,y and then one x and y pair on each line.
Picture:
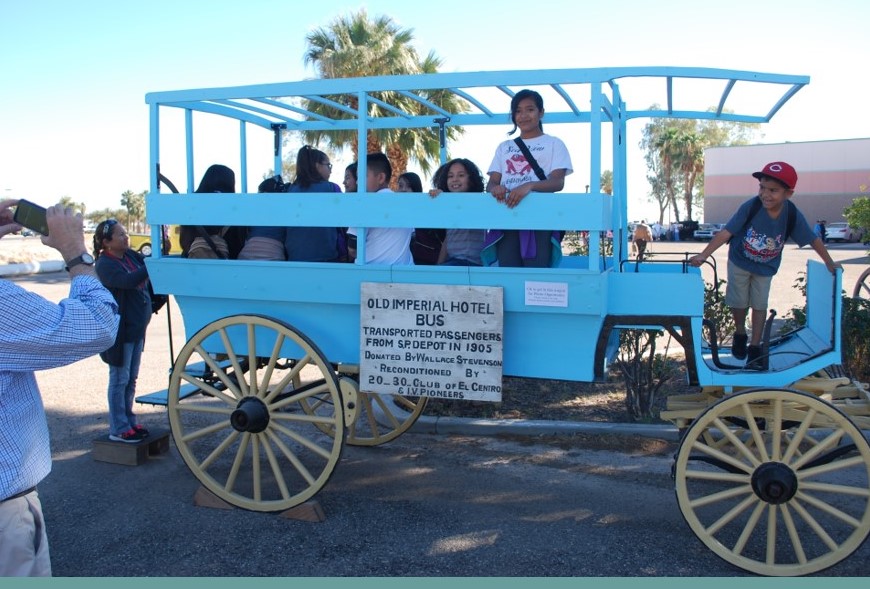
x,y
87,258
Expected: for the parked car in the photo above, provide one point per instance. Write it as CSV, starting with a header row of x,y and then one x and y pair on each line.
x,y
842,232
141,242
706,231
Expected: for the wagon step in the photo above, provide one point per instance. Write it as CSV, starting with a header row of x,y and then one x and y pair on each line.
x,y
162,397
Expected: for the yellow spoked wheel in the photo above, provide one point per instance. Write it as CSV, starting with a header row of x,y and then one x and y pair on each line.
x,y
776,482
244,437
379,419
862,286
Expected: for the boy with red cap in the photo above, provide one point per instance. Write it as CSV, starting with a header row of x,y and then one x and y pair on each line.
x,y
760,228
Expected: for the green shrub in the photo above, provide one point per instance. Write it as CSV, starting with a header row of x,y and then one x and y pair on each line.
x,y
574,244
717,311
643,371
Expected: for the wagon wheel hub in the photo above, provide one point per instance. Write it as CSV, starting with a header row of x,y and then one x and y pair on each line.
x,y
251,415
774,482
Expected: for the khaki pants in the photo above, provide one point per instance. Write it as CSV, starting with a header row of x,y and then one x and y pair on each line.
x,y
23,541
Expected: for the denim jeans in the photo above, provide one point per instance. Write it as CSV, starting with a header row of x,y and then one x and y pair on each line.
x,y
122,389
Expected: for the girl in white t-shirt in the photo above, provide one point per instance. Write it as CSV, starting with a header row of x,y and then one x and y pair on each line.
x,y
512,176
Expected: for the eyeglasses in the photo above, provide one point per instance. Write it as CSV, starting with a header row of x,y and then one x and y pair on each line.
x,y
107,228
327,164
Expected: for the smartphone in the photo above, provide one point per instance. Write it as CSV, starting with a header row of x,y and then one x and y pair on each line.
x,y
31,216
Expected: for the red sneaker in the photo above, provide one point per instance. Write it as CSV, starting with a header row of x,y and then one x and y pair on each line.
x,y
130,436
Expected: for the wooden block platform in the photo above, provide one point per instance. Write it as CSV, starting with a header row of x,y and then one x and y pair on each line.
x,y
106,450
310,511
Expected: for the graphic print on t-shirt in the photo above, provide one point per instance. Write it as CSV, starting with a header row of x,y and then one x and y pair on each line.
x,y
761,248
517,168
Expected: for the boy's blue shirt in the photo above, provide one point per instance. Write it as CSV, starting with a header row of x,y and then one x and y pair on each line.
x,y
757,245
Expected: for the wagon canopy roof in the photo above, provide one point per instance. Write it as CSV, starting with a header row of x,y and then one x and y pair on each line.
x,y
481,98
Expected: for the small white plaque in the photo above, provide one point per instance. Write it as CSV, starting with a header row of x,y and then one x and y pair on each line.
x,y
547,294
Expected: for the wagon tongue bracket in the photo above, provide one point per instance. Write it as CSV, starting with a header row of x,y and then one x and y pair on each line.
x,y
251,415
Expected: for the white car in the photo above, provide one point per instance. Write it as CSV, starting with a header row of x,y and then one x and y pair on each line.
x,y
706,231
842,232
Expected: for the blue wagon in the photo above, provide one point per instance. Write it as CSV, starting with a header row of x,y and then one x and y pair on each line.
x,y
285,362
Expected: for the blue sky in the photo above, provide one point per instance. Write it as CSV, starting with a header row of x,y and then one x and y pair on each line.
x,y
73,119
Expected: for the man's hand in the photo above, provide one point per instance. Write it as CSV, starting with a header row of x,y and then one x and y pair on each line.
x,y
66,232
7,226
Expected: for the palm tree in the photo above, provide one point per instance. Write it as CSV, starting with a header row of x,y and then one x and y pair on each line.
x,y
354,46
690,162
606,182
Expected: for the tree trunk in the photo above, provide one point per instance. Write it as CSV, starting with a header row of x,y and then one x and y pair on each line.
x,y
399,161
373,144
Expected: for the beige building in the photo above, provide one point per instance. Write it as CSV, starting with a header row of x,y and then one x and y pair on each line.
x,y
830,175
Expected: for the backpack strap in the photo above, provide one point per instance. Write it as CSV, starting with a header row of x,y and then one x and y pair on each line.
x,y
791,220
530,158
204,234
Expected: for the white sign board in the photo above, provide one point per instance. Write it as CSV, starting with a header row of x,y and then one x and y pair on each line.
x,y
424,340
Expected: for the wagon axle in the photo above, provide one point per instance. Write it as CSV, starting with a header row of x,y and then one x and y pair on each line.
x,y
251,415
774,482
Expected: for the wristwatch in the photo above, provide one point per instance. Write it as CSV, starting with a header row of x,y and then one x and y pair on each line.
x,y
86,259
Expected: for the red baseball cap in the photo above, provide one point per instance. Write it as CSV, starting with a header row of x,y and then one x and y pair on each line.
x,y
781,171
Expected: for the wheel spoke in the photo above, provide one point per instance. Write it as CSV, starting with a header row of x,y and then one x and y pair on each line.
x,y
294,460
775,431
407,403
237,461
717,476
771,534
215,427
252,360
256,472
220,449
273,361
719,455
311,445
756,434
370,413
288,379
793,535
305,395
720,496
749,528
832,440
306,418
834,466
828,508
234,360
831,488
194,408
816,526
387,410
736,442
276,469
799,436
